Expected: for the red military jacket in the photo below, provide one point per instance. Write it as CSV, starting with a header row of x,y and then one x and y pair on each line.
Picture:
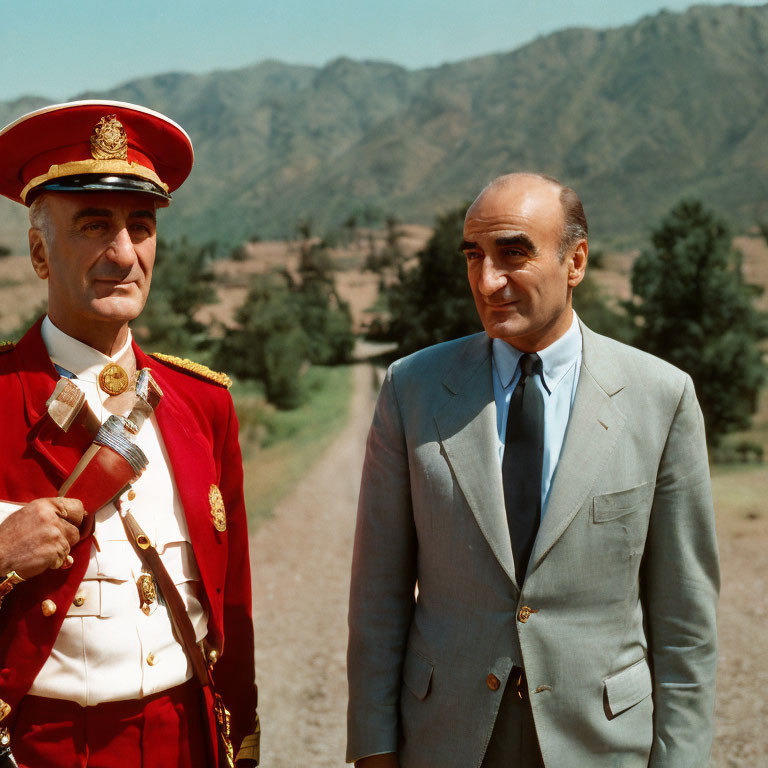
x,y
197,420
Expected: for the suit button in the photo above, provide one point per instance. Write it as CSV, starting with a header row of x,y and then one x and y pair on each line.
x,y
525,614
79,600
492,682
48,607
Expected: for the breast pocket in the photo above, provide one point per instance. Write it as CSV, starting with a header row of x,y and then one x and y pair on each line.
x,y
611,506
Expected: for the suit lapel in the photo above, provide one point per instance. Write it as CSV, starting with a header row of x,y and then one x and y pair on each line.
x,y
466,424
593,428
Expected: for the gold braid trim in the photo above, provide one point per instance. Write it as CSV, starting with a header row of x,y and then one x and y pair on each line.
x,y
76,167
250,748
197,369
6,346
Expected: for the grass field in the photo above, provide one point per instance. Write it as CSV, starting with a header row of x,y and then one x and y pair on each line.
x,y
280,446
740,490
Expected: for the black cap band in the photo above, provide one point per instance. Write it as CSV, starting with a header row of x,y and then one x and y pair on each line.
x,y
96,182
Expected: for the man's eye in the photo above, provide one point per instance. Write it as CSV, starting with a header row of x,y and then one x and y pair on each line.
x,y
94,226
473,254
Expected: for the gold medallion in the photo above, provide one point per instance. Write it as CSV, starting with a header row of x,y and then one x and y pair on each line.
x,y
218,513
108,140
113,379
147,591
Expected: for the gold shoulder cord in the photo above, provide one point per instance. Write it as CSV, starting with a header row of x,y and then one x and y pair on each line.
x,y
196,369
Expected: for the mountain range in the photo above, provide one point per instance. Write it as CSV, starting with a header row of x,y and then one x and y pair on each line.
x,y
634,118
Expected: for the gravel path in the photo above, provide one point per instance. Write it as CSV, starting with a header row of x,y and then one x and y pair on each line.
x,y
301,559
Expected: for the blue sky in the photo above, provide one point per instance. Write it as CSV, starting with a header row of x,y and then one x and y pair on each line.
x,y
59,48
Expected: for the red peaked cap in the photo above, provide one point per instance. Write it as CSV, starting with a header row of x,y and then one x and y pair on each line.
x,y
90,146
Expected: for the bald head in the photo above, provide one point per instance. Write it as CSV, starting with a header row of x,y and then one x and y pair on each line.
x,y
520,273
574,222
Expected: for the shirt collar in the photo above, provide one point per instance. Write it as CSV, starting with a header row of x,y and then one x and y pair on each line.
x,y
78,358
557,359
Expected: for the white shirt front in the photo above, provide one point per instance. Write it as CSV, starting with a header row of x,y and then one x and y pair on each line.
x,y
108,649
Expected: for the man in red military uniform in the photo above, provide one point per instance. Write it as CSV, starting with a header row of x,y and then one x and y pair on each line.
x,y
92,669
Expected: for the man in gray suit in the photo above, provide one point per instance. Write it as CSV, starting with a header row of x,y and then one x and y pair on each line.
x,y
492,625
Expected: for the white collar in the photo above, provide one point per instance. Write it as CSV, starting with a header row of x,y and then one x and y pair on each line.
x,y
557,359
78,358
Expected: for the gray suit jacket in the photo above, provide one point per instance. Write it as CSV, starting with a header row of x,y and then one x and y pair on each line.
x,y
620,651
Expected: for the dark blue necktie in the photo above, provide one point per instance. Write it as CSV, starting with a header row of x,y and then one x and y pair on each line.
x,y
521,466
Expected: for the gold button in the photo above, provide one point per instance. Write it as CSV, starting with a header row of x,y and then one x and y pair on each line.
x,y
492,682
48,607
131,495
525,613
151,659
5,709
79,600
213,657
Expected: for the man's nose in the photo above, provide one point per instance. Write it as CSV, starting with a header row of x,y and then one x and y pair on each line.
x,y
121,250
492,277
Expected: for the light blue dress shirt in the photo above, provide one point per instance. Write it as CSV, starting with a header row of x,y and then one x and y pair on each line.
x,y
561,362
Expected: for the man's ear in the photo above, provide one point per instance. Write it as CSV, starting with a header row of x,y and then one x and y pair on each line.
x,y
38,253
577,263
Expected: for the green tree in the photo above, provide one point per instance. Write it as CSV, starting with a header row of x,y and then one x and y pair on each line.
x,y
694,309
349,228
182,283
432,302
391,254
326,321
325,318
591,306
269,343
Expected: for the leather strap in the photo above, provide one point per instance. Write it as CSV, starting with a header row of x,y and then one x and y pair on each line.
x,y
186,632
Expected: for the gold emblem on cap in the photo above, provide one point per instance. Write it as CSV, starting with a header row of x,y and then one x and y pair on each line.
x,y
113,379
218,514
108,140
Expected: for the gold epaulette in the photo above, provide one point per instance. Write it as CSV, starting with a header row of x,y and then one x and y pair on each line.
x,y
6,346
197,369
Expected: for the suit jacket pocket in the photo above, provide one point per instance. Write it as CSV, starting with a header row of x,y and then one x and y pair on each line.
x,y
610,506
628,687
417,673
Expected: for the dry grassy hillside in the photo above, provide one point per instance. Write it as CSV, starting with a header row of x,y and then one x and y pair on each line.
x,y
355,285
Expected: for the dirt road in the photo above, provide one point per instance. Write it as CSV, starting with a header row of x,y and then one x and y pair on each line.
x,y
301,562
